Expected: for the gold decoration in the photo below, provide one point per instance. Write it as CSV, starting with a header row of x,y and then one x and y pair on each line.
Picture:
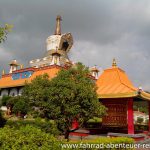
x,y
21,66
114,64
3,72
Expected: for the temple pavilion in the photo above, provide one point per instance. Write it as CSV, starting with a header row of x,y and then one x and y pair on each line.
x,y
118,94
114,89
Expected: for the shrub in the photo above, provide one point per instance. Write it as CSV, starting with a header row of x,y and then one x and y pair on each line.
x,y
20,107
4,100
141,127
139,120
11,101
2,120
147,121
26,138
45,126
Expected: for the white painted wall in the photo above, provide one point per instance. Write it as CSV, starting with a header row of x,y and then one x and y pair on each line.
x,y
4,92
20,91
13,92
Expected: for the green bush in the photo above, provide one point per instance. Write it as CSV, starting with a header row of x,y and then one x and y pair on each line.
x,y
26,138
11,101
4,100
147,121
2,120
99,143
45,126
95,119
139,120
141,127
20,107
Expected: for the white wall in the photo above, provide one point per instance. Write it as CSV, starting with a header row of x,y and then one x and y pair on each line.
x,y
4,92
13,92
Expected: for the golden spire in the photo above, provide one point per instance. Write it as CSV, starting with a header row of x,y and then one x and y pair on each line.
x,y
3,72
21,66
58,26
114,64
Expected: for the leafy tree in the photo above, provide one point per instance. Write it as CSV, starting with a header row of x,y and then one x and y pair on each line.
x,y
70,95
36,93
4,100
11,102
20,106
141,106
17,104
4,31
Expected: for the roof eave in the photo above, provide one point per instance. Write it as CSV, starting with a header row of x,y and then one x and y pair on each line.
x,y
143,95
118,95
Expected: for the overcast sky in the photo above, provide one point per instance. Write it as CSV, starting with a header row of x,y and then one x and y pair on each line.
x,y
102,30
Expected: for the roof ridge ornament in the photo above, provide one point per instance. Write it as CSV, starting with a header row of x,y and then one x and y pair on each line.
x,y
3,72
114,64
58,25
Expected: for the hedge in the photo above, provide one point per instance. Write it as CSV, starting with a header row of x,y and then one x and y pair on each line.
x,y
32,138
26,138
46,126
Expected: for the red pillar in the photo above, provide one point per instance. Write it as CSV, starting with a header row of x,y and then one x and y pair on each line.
x,y
149,115
130,117
75,124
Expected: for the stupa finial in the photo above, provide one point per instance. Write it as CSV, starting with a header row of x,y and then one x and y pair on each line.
x,y
21,66
3,72
58,25
114,64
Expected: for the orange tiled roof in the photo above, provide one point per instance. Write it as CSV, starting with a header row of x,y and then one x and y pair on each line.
x,y
113,83
7,81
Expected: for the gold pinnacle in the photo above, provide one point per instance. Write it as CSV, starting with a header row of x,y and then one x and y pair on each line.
x,y
58,26
21,66
3,72
114,64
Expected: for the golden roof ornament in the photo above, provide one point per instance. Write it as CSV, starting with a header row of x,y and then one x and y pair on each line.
x,y
58,25
114,64
21,66
3,72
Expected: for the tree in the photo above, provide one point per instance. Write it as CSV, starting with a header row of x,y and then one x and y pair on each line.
x,y
20,106
36,93
70,95
73,94
4,100
4,31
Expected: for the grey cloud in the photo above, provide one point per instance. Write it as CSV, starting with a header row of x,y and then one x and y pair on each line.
x,y
102,29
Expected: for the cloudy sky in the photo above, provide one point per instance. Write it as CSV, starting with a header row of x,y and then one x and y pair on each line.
x,y
102,30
